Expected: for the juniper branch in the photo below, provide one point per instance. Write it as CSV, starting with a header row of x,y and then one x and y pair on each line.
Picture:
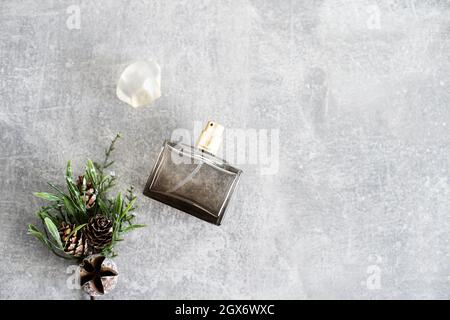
x,y
108,152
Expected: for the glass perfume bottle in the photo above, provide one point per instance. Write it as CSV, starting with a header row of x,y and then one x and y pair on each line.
x,y
193,179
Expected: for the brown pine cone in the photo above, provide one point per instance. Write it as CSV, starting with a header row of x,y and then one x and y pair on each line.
x,y
74,244
98,232
98,275
88,192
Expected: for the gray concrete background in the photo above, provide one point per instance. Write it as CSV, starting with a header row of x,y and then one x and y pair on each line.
x,y
358,89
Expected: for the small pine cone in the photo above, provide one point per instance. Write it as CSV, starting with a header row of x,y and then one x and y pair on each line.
x,y
64,231
74,244
88,191
78,248
99,232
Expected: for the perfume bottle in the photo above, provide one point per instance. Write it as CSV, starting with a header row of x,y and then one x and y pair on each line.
x,y
193,179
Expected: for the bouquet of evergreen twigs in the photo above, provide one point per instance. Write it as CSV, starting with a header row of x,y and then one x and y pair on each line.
x,y
83,223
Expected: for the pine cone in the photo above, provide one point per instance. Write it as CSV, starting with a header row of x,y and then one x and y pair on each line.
x,y
98,275
74,244
99,232
88,191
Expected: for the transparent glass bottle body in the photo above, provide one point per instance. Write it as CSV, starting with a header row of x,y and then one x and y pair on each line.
x,y
192,180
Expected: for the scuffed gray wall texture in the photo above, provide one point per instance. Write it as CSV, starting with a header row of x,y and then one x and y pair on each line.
x,y
359,91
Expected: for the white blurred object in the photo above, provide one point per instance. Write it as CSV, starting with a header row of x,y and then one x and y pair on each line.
x,y
140,83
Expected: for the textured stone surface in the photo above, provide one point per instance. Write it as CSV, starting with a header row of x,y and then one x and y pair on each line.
x,y
363,108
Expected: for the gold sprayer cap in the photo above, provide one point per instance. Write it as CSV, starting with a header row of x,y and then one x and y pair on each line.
x,y
210,139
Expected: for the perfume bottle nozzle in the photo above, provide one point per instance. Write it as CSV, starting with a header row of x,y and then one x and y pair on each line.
x,y
211,137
